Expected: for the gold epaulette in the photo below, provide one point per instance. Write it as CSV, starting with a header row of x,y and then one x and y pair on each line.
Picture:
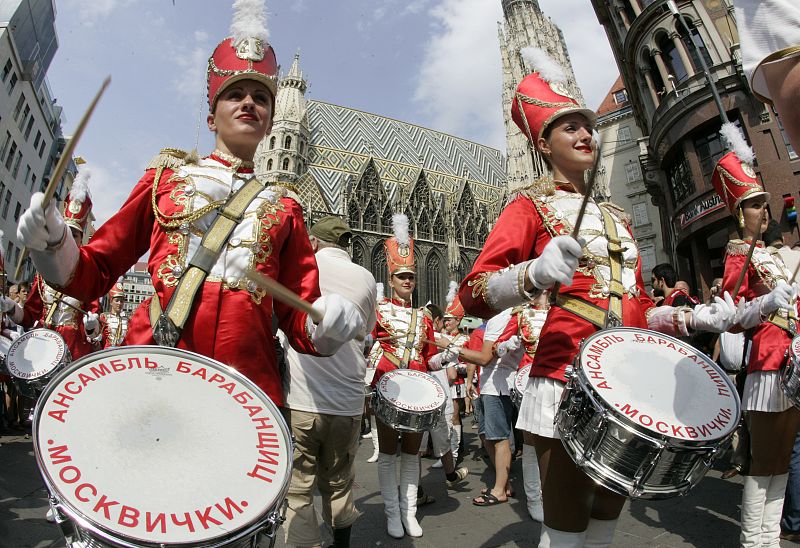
x,y
617,212
517,309
540,187
287,190
737,247
172,158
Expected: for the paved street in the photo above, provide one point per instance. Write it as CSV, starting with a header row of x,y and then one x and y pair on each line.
x,y
707,517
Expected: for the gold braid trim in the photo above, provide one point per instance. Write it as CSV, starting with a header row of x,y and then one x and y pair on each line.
x,y
171,158
544,104
175,220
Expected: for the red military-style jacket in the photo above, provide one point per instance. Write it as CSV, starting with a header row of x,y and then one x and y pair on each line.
x,y
167,213
520,234
66,319
765,270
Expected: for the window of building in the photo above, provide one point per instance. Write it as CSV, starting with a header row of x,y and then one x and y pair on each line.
x,y
17,161
29,128
37,138
287,142
647,253
269,164
11,83
7,70
272,142
302,147
6,205
11,152
633,172
624,135
16,212
789,148
620,96
25,116
41,149
694,44
710,148
679,178
640,217
2,190
18,108
285,166
6,144
33,181
27,175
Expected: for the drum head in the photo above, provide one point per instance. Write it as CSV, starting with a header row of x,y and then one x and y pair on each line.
x,y
660,383
521,379
35,354
160,445
411,390
794,349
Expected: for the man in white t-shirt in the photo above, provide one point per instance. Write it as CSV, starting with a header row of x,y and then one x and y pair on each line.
x,y
324,401
499,359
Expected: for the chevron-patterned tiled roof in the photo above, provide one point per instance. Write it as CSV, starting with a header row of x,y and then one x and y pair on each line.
x,y
343,140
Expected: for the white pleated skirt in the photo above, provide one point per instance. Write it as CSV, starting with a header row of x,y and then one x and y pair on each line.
x,y
537,413
763,392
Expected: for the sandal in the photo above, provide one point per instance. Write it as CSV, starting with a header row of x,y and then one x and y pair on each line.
x,y
488,500
509,493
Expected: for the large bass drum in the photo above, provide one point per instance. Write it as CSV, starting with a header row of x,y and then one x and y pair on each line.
x,y
645,414
147,446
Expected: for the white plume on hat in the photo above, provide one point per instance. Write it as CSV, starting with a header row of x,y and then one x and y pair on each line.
x,y
249,21
547,67
80,186
379,291
452,292
735,142
400,228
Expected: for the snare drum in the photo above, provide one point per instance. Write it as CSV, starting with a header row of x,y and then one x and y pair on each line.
x,y
409,400
5,346
520,384
790,376
34,358
145,446
645,414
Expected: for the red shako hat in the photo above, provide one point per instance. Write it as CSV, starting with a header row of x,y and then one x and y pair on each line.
x,y
78,206
246,55
542,97
734,178
117,291
399,248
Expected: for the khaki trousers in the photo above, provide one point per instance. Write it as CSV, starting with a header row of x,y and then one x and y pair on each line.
x,y
324,456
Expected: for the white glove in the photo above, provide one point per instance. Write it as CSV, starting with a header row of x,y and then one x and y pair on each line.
x,y
91,323
435,363
340,323
749,315
557,263
717,317
507,346
450,354
54,253
39,229
12,308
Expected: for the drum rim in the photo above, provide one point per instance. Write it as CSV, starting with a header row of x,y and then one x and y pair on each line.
x,y
673,441
403,372
101,530
63,354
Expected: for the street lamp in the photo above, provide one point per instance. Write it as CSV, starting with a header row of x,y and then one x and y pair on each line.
x,y
673,9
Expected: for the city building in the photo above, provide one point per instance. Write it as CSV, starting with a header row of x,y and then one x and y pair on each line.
x,y
526,25
365,167
662,49
619,176
137,285
31,138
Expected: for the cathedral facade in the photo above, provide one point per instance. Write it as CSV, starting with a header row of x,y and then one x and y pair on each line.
x,y
366,167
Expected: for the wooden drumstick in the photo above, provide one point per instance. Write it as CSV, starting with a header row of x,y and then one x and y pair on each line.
x,y
288,297
579,219
63,163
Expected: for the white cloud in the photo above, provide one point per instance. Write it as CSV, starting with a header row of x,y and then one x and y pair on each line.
x,y
191,61
92,11
459,77
107,190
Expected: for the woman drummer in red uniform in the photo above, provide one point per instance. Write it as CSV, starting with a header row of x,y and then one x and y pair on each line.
x,y
528,251
402,332
771,418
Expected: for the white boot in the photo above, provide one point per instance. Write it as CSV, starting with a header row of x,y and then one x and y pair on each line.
x,y
533,486
754,497
773,508
409,477
387,467
551,538
600,533
375,448
455,440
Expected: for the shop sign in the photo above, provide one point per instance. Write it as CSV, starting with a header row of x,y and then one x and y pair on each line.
x,y
699,209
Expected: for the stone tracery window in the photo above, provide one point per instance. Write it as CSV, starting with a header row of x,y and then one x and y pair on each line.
x,y
353,215
269,164
434,276
371,217
287,142
424,226
285,165
359,252
272,142
378,267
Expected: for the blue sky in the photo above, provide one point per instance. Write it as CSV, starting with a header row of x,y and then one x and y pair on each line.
x,y
431,62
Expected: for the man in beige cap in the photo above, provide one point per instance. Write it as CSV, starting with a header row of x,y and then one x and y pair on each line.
x,y
324,400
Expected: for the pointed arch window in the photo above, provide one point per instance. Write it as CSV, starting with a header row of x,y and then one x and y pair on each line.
x,y
386,220
287,142
285,165
272,142
439,233
371,217
434,278
269,164
378,266
354,215
359,252
424,226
